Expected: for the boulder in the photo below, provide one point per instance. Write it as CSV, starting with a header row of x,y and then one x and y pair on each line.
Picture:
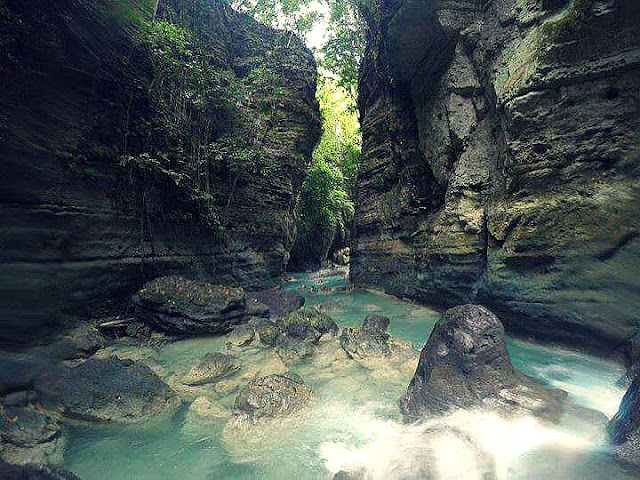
x,y
624,427
106,390
301,332
311,318
241,336
465,364
212,367
266,330
272,396
365,343
34,472
279,302
179,306
29,436
377,321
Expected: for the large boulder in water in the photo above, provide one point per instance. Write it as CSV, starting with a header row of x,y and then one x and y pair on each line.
x,y
624,427
465,364
272,396
301,331
105,390
179,306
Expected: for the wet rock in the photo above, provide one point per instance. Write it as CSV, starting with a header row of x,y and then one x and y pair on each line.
x,y
241,336
179,306
34,472
312,319
624,427
272,396
29,436
301,332
212,367
26,427
267,331
365,343
81,342
279,302
377,321
465,363
106,390
346,475
16,399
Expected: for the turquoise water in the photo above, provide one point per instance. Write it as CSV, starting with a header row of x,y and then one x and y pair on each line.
x,y
353,420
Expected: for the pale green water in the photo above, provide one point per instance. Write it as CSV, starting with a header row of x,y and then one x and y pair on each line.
x,y
354,420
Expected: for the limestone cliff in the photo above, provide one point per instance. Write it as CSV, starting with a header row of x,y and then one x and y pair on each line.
x,y
501,161
115,170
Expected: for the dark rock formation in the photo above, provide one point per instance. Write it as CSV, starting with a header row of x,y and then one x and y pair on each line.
x,y
500,161
180,306
279,302
79,229
624,427
106,390
272,396
465,364
301,331
34,472
376,321
28,436
212,367
25,427
365,343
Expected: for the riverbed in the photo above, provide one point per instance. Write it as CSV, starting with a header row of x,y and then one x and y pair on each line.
x,y
353,422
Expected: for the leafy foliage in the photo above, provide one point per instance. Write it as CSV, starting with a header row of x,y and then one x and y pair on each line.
x,y
326,208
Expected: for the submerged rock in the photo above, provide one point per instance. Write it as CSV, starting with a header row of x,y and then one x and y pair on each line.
x,y
241,336
272,396
29,436
465,364
377,321
212,367
624,427
106,390
34,472
180,306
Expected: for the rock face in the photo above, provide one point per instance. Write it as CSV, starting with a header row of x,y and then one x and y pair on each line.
x,y
86,215
180,306
500,161
624,427
272,396
106,390
465,364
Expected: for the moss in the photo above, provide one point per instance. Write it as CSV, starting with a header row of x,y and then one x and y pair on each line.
x,y
569,21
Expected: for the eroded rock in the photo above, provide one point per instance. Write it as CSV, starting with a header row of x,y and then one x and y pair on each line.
x,y
210,369
272,396
106,390
465,364
179,306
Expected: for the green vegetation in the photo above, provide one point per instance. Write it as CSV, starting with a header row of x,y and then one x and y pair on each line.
x,y
201,118
571,19
325,208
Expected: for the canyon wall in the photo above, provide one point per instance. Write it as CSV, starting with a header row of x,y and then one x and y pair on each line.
x,y
101,119
501,161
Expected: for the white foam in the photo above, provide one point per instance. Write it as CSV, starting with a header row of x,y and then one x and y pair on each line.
x,y
464,444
